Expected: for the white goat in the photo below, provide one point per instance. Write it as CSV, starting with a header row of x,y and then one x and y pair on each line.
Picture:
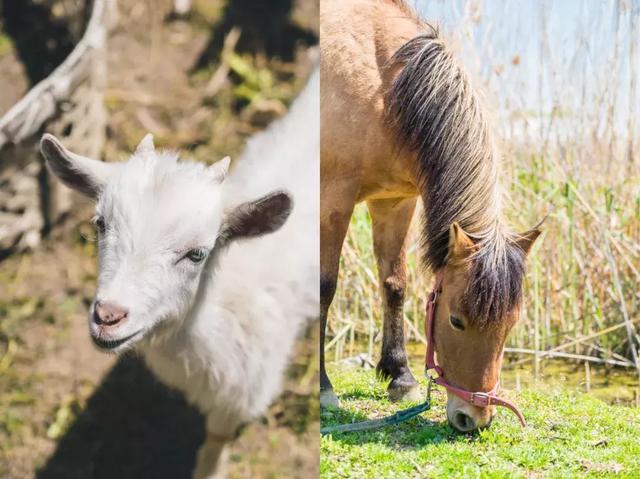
x,y
213,317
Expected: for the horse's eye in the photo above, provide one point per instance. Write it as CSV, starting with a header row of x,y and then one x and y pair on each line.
x,y
196,255
456,323
100,224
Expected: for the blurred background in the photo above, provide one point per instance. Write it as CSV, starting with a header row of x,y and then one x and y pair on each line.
x,y
560,80
202,76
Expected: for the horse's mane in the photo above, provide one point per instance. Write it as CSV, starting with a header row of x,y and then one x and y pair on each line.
x,y
436,114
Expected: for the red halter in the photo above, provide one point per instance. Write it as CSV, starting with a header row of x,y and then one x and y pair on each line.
x,y
480,399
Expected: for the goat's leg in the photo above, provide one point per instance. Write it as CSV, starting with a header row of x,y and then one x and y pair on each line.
x,y
391,219
336,210
211,460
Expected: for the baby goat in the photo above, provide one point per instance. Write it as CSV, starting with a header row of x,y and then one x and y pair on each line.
x,y
210,277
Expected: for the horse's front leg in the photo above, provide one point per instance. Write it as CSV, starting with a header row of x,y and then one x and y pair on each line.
x,y
336,210
391,219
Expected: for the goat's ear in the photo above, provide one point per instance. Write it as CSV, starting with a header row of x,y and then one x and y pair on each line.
x,y
146,145
82,174
218,171
255,218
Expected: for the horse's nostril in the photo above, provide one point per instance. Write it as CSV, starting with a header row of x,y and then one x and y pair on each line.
x,y
463,422
109,313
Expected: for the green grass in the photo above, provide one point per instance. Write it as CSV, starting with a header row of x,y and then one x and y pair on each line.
x,y
6,44
568,435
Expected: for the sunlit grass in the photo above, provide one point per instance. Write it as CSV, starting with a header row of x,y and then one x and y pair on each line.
x,y
568,435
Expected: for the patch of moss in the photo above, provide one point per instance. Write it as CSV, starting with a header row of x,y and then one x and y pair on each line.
x,y
6,44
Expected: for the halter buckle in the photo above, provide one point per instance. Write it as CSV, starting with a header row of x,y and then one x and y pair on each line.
x,y
480,399
433,296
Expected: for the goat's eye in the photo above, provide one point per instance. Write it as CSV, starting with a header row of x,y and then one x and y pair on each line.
x,y
196,255
100,224
456,323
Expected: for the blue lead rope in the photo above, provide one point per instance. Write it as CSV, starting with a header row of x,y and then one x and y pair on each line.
x,y
397,418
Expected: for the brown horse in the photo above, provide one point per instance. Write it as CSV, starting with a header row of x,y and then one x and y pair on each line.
x,y
400,120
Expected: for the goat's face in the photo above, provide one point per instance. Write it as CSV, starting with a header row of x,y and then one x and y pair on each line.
x,y
159,223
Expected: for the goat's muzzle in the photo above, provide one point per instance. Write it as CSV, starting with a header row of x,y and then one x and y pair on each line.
x,y
109,314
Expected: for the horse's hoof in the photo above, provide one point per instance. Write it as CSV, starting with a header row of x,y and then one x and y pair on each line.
x,y
404,391
328,399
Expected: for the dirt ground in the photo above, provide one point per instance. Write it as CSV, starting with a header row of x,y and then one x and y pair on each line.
x,y
69,411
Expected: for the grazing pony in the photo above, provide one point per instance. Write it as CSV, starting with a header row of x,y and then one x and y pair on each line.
x,y
209,276
400,120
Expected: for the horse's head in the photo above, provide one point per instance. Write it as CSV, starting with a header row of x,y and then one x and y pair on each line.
x,y
478,305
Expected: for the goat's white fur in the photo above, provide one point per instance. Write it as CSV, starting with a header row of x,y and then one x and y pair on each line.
x,y
222,333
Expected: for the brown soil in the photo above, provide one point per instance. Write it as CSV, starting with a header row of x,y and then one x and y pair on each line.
x,y
14,81
68,411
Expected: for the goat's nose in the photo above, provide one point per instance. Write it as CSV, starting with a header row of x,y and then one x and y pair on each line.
x,y
463,422
109,313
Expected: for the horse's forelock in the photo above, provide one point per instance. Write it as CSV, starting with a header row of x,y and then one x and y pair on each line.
x,y
494,288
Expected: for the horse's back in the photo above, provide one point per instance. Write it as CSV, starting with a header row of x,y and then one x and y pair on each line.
x,y
357,40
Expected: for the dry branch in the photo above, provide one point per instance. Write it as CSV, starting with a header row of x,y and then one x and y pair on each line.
x,y
220,76
42,102
580,357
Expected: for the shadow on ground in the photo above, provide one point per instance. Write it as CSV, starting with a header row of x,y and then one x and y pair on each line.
x,y
132,427
415,433
266,28
356,394
41,41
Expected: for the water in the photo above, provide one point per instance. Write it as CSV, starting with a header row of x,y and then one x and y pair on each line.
x,y
611,385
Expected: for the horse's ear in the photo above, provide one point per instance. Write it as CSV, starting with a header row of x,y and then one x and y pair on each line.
x,y
525,240
460,245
